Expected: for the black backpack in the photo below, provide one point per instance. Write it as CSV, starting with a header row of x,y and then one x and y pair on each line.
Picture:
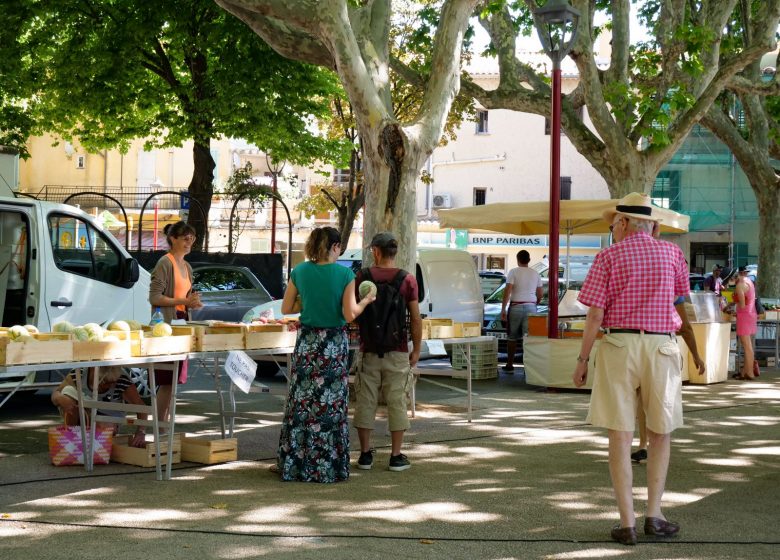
x,y
383,323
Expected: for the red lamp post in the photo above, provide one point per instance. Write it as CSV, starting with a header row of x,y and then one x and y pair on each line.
x,y
556,24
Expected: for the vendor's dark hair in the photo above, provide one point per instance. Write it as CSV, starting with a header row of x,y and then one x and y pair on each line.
x,y
179,229
319,243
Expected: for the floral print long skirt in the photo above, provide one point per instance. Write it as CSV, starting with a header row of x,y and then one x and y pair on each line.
x,y
314,442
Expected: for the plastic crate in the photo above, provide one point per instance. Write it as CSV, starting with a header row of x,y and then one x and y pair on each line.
x,y
489,371
483,355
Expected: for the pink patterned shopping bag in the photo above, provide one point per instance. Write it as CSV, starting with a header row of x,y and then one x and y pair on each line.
x,y
65,447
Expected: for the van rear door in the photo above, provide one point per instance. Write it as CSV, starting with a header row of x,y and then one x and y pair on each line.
x,y
450,285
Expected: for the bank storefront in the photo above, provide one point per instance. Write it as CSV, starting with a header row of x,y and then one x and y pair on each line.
x,y
497,251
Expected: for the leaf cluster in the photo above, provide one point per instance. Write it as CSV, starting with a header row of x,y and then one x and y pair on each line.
x,y
109,71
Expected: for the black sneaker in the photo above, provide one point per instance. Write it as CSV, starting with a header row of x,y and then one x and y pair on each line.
x,y
399,462
639,455
366,460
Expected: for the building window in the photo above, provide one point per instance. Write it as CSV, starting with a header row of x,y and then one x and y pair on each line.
x,y
482,122
666,190
479,196
548,124
341,176
81,162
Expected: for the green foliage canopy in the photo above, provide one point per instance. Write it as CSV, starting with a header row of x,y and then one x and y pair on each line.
x,y
109,71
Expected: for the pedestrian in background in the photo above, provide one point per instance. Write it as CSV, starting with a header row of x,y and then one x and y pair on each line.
x,y
521,295
747,322
630,291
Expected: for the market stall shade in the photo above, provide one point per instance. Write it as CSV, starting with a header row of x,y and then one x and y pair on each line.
x,y
533,218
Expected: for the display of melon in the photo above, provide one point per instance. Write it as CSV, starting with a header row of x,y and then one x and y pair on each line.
x,y
134,325
162,329
94,331
17,331
119,326
80,334
63,327
32,329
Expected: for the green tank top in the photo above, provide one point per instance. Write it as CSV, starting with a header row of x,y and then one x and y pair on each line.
x,y
321,287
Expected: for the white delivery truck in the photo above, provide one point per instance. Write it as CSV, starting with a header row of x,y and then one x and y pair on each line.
x,y
57,263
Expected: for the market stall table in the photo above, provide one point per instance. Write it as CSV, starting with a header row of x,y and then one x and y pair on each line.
x,y
93,404
467,343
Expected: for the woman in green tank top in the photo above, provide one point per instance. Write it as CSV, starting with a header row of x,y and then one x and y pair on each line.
x,y
314,441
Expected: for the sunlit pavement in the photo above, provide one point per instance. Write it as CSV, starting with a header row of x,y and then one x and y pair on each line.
x,y
526,479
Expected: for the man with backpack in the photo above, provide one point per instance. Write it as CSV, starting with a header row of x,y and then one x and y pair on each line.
x,y
386,358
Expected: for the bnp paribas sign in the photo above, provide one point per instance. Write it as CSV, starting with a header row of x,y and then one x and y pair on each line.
x,y
509,240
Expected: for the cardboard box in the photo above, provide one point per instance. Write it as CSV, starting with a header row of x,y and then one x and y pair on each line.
x,y
45,348
209,451
121,452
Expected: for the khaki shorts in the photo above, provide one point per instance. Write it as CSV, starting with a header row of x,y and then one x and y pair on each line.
x,y
631,367
392,376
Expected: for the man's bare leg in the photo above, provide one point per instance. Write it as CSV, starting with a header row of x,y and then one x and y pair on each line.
x,y
622,476
657,467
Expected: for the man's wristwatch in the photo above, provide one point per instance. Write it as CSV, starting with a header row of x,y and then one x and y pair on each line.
x,y
582,360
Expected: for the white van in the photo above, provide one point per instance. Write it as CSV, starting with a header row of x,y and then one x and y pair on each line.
x,y
448,283
58,264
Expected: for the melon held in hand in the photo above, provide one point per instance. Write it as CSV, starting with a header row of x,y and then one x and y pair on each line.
x,y
367,287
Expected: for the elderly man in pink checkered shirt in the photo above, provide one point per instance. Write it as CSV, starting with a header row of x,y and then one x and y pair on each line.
x,y
630,290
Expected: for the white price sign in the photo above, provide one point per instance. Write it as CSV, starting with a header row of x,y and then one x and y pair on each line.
x,y
241,369
436,347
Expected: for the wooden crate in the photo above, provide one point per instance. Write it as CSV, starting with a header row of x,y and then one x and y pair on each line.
x,y
181,341
121,452
85,350
274,335
468,329
209,451
219,337
432,328
45,348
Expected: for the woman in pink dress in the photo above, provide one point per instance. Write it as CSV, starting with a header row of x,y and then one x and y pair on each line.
x,y
745,304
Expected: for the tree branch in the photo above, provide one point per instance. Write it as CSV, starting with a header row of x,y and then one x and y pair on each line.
x,y
295,43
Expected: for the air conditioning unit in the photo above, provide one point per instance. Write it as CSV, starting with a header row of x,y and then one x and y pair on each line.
x,y
443,200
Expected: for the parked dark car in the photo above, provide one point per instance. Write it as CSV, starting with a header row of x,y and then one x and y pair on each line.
x,y
226,291
490,280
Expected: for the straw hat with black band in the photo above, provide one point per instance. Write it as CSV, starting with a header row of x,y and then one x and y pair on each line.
x,y
633,205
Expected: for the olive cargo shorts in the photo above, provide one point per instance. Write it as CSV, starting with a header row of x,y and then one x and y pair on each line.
x,y
393,376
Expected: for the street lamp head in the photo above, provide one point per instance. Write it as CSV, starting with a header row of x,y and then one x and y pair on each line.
x,y
556,23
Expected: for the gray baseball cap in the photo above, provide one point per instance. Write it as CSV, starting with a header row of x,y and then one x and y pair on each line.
x,y
384,240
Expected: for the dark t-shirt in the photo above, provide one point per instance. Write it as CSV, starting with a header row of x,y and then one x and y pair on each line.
x,y
408,291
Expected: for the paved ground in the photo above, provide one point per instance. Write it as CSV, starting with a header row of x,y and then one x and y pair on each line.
x,y
526,479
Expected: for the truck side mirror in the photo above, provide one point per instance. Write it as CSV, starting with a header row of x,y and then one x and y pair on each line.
x,y
130,273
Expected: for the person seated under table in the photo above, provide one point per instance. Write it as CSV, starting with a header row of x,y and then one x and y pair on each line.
x,y
114,385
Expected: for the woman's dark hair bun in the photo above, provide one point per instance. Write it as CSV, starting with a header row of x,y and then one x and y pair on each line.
x,y
167,228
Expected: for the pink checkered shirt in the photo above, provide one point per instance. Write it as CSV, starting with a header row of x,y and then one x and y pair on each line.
x,y
636,283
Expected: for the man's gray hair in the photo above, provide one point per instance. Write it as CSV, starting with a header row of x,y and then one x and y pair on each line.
x,y
635,224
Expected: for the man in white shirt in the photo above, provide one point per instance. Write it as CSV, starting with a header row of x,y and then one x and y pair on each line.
x,y
523,291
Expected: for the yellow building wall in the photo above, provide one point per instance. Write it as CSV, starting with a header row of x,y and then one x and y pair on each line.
x,y
52,164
